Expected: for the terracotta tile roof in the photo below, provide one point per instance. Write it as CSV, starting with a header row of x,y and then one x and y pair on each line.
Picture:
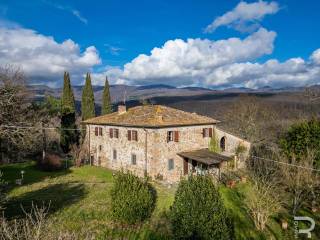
x,y
151,116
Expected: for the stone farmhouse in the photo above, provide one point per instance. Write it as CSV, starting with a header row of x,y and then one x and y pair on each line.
x,y
161,142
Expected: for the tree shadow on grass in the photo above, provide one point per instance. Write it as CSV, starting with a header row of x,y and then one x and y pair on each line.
x,y
56,196
32,174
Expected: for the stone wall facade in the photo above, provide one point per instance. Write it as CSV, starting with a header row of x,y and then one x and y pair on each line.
x,y
231,144
152,150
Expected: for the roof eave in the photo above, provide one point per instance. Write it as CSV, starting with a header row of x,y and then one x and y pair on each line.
x,y
150,126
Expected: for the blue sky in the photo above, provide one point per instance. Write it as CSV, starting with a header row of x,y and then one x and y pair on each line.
x,y
118,31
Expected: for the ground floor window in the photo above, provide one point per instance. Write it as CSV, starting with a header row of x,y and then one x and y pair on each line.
x,y
114,154
133,159
170,164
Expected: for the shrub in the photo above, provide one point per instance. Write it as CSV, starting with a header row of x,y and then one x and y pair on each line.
x,y
198,211
214,144
132,199
51,162
300,138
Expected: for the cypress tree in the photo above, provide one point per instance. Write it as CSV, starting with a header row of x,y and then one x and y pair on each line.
x,y
69,134
87,103
67,98
106,99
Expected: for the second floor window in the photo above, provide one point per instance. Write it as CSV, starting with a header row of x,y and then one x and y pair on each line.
x,y
173,136
98,131
207,132
132,135
114,133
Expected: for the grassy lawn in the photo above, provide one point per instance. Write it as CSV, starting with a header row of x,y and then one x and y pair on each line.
x,y
79,197
79,201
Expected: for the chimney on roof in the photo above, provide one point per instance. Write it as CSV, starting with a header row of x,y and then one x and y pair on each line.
x,y
159,118
122,109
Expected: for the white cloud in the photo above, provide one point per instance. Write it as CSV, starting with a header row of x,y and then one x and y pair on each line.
x,y
113,50
315,57
223,63
245,17
193,62
42,58
181,62
293,72
79,16
71,10
113,73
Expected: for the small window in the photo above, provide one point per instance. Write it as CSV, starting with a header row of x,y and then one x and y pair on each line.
x,y
100,147
170,136
170,164
114,154
132,135
111,132
114,133
98,131
173,136
207,132
99,161
133,159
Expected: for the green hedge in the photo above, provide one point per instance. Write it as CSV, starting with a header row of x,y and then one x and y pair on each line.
x,y
132,199
198,211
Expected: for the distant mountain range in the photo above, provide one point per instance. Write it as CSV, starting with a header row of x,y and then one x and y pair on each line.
x,y
128,93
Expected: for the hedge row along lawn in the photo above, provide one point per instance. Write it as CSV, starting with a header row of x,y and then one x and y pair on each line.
x,y
79,200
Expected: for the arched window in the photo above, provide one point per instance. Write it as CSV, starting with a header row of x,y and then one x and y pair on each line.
x,y
223,144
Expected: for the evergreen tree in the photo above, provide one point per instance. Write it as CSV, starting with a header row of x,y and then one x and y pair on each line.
x,y
69,134
300,138
132,198
106,99
198,211
87,103
67,98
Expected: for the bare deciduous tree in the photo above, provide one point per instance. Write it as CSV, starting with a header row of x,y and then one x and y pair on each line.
x,y
301,181
250,118
14,110
262,200
312,93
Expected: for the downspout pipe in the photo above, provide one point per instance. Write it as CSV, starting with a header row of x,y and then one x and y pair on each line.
x,y
146,153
